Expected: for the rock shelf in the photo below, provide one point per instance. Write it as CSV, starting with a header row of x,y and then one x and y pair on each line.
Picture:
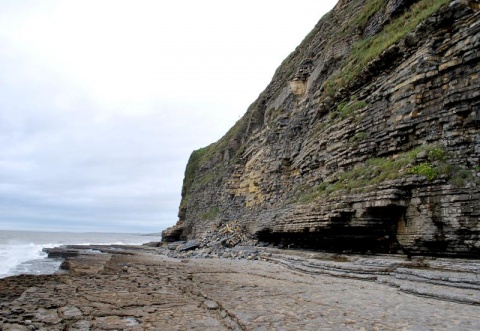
x,y
141,288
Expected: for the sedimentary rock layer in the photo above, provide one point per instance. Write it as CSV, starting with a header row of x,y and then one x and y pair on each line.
x,y
367,138
135,288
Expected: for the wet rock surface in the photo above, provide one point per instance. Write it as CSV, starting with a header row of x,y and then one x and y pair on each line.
x,y
140,288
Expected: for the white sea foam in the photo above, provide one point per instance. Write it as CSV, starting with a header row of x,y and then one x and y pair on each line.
x,y
12,255
14,258
21,252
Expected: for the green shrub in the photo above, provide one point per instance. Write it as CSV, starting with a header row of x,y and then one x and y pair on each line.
x,y
437,154
374,171
425,169
359,136
460,177
370,8
192,168
445,169
346,108
356,105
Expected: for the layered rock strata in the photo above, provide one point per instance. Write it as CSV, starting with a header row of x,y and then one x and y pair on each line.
x,y
367,139
138,288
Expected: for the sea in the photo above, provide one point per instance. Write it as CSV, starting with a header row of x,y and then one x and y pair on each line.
x,y
21,251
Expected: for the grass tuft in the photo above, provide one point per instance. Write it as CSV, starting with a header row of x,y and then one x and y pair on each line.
x,y
374,171
365,50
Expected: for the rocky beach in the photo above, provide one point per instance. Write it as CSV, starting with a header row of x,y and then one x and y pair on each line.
x,y
346,198
141,288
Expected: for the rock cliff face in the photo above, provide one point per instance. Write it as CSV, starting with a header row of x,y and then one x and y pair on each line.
x,y
366,139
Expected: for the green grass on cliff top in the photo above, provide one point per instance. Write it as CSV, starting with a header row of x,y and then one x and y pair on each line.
x,y
194,178
365,50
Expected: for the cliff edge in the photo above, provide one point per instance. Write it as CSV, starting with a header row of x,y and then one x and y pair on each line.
x,y
366,139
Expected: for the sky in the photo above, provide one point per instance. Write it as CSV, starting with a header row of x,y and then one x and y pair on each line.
x,y
102,102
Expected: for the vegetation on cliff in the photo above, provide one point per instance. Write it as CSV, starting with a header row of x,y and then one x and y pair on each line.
x,y
430,161
367,49
367,133
362,52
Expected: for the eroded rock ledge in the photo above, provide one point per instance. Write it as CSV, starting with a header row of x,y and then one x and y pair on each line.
x,y
367,139
139,288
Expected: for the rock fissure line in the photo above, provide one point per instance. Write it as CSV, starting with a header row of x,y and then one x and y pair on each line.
x,y
210,306
199,294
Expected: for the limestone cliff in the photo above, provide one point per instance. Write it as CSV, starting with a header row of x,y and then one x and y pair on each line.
x,y
366,139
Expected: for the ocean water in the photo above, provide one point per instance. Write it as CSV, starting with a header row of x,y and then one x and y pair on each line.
x,y
21,251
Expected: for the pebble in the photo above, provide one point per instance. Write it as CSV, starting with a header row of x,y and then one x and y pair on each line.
x,y
210,304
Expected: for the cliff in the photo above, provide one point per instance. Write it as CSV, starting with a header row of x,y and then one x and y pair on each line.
x,y
366,139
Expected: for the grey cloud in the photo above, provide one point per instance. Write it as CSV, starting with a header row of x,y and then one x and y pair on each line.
x,y
63,168
73,155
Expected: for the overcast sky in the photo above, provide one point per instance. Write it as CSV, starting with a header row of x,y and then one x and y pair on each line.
x,y
102,102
